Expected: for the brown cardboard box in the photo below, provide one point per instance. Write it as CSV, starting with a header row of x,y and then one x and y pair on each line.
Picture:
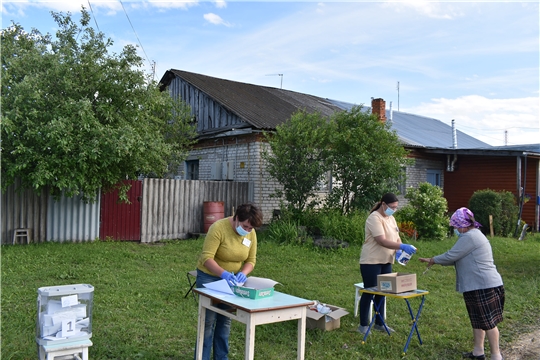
x,y
396,282
330,321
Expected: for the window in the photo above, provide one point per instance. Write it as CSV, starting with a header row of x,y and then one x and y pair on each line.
x,y
433,177
192,170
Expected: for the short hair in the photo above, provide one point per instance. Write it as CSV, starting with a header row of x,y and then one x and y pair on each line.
x,y
251,212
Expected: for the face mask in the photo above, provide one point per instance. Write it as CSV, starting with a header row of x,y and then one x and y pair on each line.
x,y
240,230
456,231
389,211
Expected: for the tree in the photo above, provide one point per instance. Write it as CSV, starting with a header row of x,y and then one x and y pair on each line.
x,y
296,159
366,158
76,118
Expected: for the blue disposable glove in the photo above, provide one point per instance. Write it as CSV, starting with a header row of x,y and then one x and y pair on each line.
x,y
241,277
409,249
231,279
398,254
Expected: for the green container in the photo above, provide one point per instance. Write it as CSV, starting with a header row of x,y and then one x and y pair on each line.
x,y
251,293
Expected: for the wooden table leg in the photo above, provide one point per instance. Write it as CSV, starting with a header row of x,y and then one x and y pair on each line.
x,y
203,301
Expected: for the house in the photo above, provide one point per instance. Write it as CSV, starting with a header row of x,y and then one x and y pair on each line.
x,y
231,117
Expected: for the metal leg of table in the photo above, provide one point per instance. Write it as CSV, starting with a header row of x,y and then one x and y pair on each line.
x,y
200,328
377,313
414,326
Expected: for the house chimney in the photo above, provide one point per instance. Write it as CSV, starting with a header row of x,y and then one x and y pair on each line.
x,y
378,107
454,135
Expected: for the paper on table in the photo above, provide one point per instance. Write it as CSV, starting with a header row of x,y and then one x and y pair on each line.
x,y
259,283
220,285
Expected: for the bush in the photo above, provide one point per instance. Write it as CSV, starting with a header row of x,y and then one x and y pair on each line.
x,y
332,224
429,213
283,232
501,205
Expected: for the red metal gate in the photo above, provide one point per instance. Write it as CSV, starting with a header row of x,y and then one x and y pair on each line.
x,y
122,221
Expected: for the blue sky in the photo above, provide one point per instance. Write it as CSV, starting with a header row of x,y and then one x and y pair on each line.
x,y
475,62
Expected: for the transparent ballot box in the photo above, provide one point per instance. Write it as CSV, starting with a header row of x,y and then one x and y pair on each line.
x,y
64,314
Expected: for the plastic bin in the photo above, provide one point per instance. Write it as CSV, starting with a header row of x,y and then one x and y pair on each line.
x,y
64,314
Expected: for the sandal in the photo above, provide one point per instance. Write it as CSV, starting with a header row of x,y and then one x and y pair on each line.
x,y
469,355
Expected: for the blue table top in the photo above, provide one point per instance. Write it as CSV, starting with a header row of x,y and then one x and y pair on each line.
x,y
277,301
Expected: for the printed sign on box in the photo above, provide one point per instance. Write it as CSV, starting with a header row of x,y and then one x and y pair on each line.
x,y
396,282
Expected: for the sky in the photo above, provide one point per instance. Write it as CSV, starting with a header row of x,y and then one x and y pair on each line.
x,y
473,62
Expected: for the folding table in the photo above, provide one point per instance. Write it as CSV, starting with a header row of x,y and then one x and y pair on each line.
x,y
405,296
276,308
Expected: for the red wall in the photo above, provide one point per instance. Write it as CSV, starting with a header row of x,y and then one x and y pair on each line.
x,y
496,173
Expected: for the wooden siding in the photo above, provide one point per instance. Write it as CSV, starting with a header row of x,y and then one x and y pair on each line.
x,y
209,114
474,173
173,209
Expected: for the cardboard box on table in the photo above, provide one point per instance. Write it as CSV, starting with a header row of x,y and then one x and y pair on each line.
x,y
330,321
396,282
255,288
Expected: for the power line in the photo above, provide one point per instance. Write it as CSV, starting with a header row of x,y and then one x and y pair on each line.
x,y
92,11
149,62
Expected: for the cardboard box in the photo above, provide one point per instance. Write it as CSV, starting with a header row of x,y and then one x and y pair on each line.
x,y
330,321
252,293
255,288
396,282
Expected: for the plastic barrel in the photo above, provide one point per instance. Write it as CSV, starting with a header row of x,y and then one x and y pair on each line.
x,y
213,211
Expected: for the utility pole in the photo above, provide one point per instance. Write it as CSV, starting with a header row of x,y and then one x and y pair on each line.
x,y
280,75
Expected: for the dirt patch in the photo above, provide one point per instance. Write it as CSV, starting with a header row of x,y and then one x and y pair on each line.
x,y
526,347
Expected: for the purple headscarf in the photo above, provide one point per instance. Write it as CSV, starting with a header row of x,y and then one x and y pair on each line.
x,y
462,218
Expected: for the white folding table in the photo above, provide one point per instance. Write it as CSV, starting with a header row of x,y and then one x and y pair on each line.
x,y
276,308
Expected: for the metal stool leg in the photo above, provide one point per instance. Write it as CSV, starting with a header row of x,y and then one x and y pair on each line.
x,y
192,273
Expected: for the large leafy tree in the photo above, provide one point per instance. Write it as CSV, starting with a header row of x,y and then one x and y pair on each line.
x,y
76,118
296,158
366,158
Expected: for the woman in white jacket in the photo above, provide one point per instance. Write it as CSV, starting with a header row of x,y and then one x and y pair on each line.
x,y
477,279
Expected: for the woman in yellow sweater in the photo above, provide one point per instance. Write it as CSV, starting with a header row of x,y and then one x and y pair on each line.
x,y
229,252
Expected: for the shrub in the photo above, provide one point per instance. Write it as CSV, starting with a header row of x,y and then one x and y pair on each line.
x,y
429,213
282,232
501,205
332,224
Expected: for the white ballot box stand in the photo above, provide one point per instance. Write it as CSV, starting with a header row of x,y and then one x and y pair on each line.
x,y
64,321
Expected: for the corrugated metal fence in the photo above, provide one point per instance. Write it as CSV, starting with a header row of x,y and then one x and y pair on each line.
x,y
171,209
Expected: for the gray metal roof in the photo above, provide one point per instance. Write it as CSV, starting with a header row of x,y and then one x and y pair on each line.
x,y
421,131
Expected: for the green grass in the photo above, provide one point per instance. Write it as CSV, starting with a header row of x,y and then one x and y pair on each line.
x,y
140,311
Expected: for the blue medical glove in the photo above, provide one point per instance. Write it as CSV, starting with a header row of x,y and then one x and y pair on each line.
x,y
398,254
409,249
241,277
231,279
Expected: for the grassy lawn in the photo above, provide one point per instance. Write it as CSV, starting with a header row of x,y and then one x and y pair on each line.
x,y
140,311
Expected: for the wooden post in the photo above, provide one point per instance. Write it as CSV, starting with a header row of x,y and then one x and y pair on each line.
x,y
491,225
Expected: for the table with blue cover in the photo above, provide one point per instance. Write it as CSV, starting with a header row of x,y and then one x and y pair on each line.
x,y
276,308
405,296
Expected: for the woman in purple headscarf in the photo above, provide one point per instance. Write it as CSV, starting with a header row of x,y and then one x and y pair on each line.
x,y
477,279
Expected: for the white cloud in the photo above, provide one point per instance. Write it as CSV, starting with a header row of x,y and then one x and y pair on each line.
x,y
215,19
427,8
494,121
220,4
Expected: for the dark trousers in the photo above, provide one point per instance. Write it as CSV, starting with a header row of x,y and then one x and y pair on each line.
x,y
369,274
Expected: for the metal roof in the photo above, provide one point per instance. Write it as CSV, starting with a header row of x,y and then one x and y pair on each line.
x,y
266,107
421,131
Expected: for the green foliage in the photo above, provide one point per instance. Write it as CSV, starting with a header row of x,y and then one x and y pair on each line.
x,y
365,157
333,224
295,158
430,211
501,205
283,232
76,118
140,310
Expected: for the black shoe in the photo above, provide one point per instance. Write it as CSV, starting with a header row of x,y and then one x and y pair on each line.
x,y
469,355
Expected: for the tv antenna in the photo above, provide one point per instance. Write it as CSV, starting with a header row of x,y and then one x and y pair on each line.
x,y
397,95
280,75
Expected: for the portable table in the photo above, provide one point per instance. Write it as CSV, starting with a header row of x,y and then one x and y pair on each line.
x,y
276,308
405,296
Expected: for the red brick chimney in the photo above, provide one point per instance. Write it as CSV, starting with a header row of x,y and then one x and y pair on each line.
x,y
378,107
